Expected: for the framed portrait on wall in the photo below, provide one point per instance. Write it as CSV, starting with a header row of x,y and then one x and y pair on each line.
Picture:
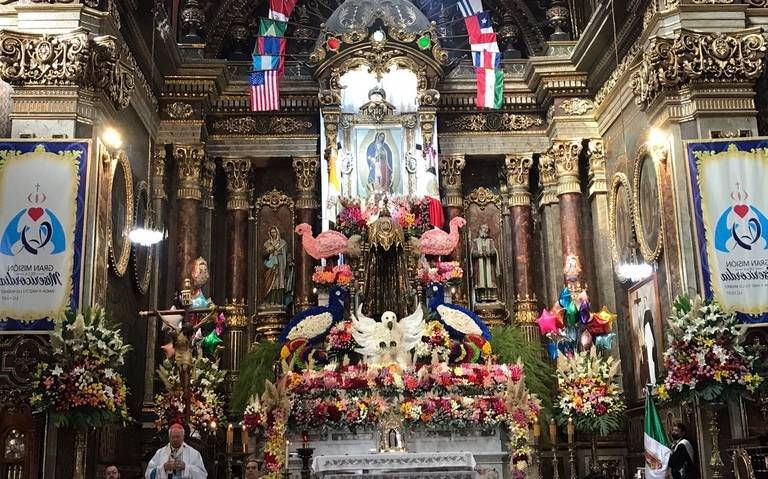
x,y
379,152
646,333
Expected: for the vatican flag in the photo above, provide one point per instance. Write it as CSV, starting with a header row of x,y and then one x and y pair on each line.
x,y
657,450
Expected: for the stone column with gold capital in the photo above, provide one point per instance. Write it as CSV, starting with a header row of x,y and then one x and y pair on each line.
x,y
451,167
207,175
189,163
598,202
518,169
549,210
305,168
238,172
566,156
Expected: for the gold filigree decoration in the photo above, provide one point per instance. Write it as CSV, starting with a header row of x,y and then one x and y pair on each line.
x,y
670,63
179,110
32,59
189,162
305,169
626,62
494,122
482,197
238,173
651,252
577,106
110,71
547,180
566,155
620,182
451,167
597,178
120,254
518,169
273,199
248,125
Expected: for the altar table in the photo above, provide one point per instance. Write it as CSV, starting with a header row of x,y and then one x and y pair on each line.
x,y
453,465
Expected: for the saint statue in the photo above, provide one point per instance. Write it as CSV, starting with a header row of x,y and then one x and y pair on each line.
x,y
484,255
379,158
277,276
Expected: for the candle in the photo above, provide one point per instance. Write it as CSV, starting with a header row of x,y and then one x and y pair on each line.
x,y
230,437
287,453
536,428
571,429
552,430
304,439
244,439
213,426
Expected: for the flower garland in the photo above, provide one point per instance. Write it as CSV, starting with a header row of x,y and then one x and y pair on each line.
x,y
705,357
588,393
326,276
205,403
79,384
442,272
341,412
412,214
448,412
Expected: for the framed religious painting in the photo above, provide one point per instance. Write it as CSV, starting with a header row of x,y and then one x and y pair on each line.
x,y
379,165
121,213
646,205
620,229
142,254
645,333
273,229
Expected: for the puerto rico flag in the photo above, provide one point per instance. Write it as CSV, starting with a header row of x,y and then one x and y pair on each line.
x,y
490,88
281,9
265,91
478,25
486,59
469,7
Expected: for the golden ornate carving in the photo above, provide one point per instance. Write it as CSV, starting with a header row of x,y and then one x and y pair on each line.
x,y
179,110
110,70
651,252
518,169
305,168
426,117
566,155
33,59
620,181
273,199
670,63
238,173
482,197
598,183
451,167
158,172
142,277
493,122
250,125
120,254
206,183
577,106
526,309
236,317
626,63
547,180
189,160
269,324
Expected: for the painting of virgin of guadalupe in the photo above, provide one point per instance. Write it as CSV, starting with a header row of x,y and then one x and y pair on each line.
x,y
378,159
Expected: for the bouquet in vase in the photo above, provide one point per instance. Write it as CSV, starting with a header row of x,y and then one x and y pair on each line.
x,y
79,384
705,357
326,276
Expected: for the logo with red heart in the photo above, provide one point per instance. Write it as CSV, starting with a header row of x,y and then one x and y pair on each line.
x,y
35,213
741,210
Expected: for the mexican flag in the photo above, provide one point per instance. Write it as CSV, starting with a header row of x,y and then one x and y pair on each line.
x,y
656,446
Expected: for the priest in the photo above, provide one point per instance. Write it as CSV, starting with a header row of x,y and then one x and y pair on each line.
x,y
176,460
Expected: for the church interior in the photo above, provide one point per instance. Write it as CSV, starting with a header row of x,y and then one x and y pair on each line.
x,y
386,239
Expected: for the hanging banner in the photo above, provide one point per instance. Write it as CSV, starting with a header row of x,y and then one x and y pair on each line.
x,y
728,179
42,200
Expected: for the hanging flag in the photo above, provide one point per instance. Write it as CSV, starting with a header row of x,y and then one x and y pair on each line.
x,y
272,28
486,59
484,41
266,62
270,46
281,9
657,450
265,91
470,7
478,24
490,88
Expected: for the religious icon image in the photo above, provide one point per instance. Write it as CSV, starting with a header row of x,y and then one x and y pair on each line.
x,y
379,158
645,319
485,262
379,163
278,273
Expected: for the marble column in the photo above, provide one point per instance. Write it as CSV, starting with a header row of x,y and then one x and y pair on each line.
x,y
189,160
206,213
518,169
305,168
238,175
451,167
550,227
598,202
566,155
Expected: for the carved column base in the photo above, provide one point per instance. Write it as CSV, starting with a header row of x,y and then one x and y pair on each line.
x,y
269,324
236,337
493,314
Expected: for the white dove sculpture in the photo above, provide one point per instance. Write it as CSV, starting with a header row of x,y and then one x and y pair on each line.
x,y
389,340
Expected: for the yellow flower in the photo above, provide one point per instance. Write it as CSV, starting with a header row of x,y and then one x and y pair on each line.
x,y
662,392
718,376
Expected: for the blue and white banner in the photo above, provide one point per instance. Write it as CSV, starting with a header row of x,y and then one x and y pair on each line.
x,y
728,182
42,201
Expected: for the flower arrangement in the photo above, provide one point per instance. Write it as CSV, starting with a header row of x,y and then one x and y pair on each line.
x,y
326,276
337,413
705,357
79,384
340,339
588,393
277,405
352,220
205,403
254,416
442,272
435,344
412,214
445,412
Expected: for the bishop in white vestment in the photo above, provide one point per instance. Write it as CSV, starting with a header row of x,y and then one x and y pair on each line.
x,y
176,460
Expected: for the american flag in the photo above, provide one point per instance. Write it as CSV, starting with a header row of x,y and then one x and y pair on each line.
x,y
265,90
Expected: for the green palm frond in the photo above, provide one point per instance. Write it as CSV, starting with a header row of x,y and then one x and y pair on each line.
x,y
257,368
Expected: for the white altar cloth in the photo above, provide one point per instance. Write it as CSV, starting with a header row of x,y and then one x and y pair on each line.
x,y
391,462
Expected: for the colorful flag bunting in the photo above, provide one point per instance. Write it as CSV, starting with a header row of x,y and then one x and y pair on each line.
x,y
484,41
270,45
265,91
478,24
470,7
272,28
281,9
266,62
486,59
490,88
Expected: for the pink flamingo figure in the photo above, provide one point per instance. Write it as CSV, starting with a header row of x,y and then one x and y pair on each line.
x,y
439,243
327,244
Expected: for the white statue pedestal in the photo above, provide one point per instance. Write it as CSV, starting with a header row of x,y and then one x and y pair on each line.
x,y
385,464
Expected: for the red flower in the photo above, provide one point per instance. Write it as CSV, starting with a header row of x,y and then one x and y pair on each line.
x,y
600,409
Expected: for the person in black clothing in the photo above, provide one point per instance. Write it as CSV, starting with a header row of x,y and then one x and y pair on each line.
x,y
682,462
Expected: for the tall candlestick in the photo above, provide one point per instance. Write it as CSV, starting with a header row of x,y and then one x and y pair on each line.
x,y
552,431
244,439
230,437
571,430
287,454
536,428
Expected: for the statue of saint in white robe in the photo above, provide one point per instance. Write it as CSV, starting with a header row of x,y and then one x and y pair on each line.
x,y
195,469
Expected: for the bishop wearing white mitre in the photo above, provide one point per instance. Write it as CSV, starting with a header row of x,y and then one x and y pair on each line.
x,y
176,460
